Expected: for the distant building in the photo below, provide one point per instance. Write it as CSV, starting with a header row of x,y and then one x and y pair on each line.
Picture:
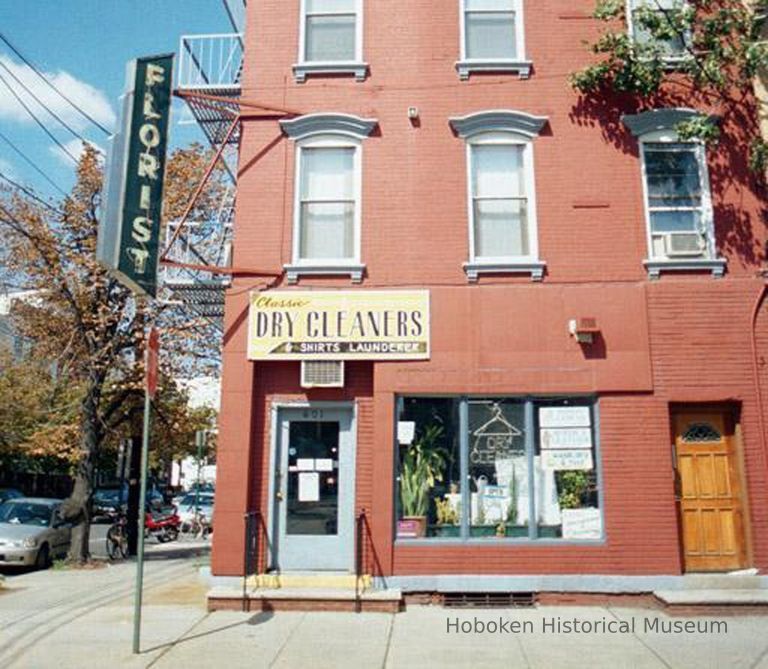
x,y
9,338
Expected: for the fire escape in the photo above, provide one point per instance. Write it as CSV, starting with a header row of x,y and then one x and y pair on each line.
x,y
198,249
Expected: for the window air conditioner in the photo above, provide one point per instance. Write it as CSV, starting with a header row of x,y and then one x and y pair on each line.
x,y
322,374
684,244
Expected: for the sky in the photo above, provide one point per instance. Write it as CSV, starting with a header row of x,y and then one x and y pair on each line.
x,y
83,46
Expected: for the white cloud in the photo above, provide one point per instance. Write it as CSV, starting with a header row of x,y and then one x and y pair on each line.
x,y
74,148
89,99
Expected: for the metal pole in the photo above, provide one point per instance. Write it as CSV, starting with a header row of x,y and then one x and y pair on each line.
x,y
140,521
199,437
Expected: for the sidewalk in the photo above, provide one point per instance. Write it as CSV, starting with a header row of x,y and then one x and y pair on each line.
x,y
81,619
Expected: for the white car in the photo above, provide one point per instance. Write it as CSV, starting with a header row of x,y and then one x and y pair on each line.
x,y
31,532
186,508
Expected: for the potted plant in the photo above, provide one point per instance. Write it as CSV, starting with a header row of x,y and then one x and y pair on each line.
x,y
448,518
422,465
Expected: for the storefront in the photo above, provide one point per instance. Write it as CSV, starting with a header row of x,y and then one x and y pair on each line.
x,y
472,446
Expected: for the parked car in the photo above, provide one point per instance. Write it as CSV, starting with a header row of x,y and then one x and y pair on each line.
x,y
186,506
31,532
9,493
107,499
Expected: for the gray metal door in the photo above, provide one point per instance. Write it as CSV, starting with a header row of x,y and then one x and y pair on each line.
x,y
315,489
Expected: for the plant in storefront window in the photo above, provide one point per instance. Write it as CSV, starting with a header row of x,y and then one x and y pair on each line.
x,y
422,466
446,513
572,486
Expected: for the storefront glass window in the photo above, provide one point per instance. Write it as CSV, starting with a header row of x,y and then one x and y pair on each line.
x,y
567,504
429,488
529,468
498,468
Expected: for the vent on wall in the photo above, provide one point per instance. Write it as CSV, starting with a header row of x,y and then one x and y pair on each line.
x,y
322,374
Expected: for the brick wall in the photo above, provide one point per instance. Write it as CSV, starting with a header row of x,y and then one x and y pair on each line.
x,y
681,339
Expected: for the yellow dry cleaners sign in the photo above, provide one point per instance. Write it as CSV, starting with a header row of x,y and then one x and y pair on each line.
x,y
339,325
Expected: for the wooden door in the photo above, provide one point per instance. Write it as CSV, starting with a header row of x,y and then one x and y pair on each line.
x,y
709,492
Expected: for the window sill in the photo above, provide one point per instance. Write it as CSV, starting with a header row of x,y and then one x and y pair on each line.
x,y
521,67
353,270
534,267
302,70
716,266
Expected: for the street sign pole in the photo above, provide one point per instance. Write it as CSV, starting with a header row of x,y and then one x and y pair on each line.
x,y
150,387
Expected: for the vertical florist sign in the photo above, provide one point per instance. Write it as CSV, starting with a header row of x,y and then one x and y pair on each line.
x,y
129,236
339,325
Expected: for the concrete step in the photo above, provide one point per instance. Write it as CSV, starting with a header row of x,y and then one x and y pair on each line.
x,y
714,598
321,580
305,599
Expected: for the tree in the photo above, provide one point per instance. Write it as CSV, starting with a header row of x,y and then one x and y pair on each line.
x,y
710,51
38,417
85,322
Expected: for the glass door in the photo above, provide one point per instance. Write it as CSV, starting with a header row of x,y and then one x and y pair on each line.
x,y
314,490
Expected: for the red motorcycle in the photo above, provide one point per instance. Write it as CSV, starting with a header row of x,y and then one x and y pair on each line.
x,y
163,524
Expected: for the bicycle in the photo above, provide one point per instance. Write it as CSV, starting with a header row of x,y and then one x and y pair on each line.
x,y
197,526
117,538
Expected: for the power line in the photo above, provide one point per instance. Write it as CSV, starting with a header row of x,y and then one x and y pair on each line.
x,y
74,132
32,164
37,120
28,192
51,85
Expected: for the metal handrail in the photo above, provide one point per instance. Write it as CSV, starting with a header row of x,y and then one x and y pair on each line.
x,y
257,548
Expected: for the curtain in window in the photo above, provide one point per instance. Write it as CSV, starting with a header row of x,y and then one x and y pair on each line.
x,y
327,203
499,201
490,29
330,30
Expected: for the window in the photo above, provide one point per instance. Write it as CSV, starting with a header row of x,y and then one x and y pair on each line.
x,y
646,17
327,201
498,468
492,37
678,215
330,38
499,201
500,192
327,204
678,206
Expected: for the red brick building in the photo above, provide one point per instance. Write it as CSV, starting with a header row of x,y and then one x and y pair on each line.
x,y
583,394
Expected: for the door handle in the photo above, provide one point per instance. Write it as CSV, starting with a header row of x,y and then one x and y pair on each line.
x,y
279,495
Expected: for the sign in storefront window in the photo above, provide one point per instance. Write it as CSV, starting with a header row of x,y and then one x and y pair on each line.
x,y
529,467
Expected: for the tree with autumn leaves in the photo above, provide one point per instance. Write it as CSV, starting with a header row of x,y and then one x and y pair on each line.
x,y
87,327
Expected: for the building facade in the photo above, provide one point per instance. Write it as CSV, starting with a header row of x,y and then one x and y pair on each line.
x,y
549,308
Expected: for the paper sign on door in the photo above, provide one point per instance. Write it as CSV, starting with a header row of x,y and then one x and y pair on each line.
x,y
309,487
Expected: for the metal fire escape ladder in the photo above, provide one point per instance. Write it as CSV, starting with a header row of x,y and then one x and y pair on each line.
x,y
209,72
197,256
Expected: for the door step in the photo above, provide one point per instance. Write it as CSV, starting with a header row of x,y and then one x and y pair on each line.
x,y
305,599
307,581
706,600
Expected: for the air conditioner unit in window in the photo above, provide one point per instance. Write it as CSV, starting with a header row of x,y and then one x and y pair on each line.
x,y
322,374
684,244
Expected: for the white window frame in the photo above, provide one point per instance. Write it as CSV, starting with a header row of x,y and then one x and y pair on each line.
x,y
709,259
504,262
339,265
671,60
357,66
519,64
